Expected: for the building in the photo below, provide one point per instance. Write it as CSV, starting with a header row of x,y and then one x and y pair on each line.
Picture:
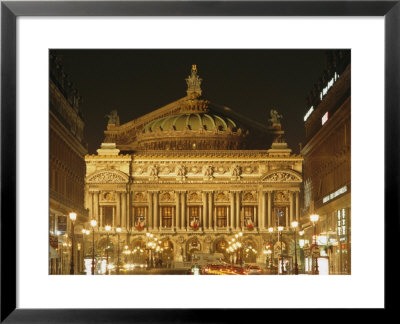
x,y
188,177
66,172
327,161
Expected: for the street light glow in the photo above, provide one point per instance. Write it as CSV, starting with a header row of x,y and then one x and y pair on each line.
x,y
72,216
295,224
93,223
271,229
314,218
107,228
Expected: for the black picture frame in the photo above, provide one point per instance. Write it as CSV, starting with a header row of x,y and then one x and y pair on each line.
x,y
10,10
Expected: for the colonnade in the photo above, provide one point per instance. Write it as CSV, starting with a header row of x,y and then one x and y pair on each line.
x,y
123,211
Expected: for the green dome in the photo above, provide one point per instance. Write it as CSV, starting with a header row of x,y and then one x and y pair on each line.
x,y
191,121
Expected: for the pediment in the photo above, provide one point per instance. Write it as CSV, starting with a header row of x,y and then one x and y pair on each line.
x,y
282,176
107,176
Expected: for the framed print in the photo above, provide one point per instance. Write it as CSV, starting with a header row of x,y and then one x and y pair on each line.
x,y
149,197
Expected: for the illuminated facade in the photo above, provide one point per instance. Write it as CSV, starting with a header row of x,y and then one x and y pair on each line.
x,y
193,174
66,172
327,161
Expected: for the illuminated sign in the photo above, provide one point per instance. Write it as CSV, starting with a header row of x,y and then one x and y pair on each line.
x,y
309,112
331,82
325,117
334,194
322,240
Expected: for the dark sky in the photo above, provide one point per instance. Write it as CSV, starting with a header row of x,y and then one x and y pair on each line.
x,y
251,82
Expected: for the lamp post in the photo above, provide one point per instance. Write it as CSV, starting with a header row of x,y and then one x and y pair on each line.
x,y
72,217
240,248
280,229
271,230
87,232
296,268
108,229
314,219
301,246
93,223
118,230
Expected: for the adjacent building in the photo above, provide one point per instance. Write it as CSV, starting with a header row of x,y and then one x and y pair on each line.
x,y
327,165
66,172
187,178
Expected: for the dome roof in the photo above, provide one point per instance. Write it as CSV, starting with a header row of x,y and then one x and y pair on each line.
x,y
191,121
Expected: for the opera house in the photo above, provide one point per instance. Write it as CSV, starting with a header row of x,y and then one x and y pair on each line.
x,y
188,177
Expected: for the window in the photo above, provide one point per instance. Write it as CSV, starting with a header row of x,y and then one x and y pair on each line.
x,y
280,216
107,215
221,216
194,216
341,222
249,217
166,216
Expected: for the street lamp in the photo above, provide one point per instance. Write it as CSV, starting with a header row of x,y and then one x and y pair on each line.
x,y
84,232
296,268
108,229
93,223
118,230
72,217
314,219
280,229
240,249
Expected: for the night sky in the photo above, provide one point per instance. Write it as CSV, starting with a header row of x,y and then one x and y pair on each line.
x,y
251,82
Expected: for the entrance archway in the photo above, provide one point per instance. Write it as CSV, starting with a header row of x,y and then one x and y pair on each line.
x,y
249,251
193,245
220,246
165,253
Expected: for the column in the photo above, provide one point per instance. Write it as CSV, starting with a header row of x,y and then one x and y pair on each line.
x,y
156,222
269,209
128,209
291,207
96,206
297,206
178,210
183,210
173,218
261,212
255,216
232,214
90,205
100,221
117,218
287,217
263,208
123,214
150,209
205,211
238,222
210,210
113,217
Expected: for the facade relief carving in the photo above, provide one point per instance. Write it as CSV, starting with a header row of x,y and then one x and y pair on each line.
x,y
194,196
281,176
281,196
140,196
250,196
208,172
167,196
221,196
107,177
153,172
108,196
